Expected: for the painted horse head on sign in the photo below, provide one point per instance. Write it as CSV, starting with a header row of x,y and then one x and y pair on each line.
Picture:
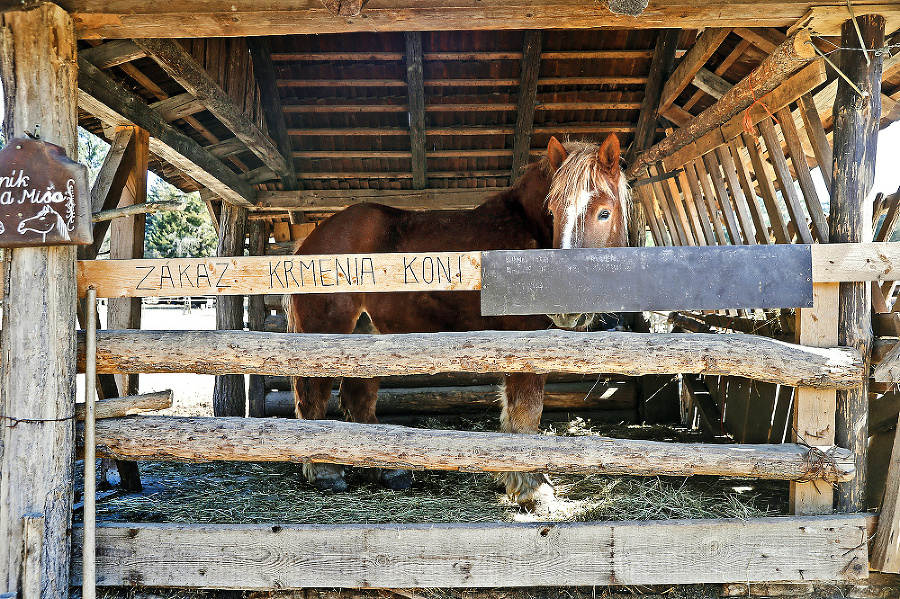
x,y
574,197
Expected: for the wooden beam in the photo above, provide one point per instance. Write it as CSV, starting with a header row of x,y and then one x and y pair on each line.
x,y
800,83
791,136
181,18
766,187
710,83
480,555
269,98
178,107
415,90
817,138
660,70
527,98
112,53
176,61
229,393
237,352
126,242
117,407
109,184
856,122
107,100
774,70
704,47
37,376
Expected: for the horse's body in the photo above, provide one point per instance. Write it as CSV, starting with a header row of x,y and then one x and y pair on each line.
x,y
526,216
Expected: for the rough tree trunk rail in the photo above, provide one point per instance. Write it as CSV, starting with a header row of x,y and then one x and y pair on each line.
x,y
200,439
632,354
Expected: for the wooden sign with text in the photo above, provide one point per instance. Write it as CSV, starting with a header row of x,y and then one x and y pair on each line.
x,y
43,196
254,275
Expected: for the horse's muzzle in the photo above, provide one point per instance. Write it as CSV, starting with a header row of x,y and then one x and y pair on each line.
x,y
574,322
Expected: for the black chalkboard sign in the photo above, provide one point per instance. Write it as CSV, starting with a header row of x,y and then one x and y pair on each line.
x,y
43,196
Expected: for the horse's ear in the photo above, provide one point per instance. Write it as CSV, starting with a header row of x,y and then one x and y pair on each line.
x,y
556,153
609,153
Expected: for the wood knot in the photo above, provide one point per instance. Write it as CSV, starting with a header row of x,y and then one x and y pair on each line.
x,y
344,8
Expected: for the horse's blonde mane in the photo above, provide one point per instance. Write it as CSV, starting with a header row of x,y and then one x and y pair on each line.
x,y
579,171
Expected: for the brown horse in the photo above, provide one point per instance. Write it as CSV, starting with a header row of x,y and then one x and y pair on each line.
x,y
574,197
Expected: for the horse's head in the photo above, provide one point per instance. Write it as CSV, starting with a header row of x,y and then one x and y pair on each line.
x,y
589,199
589,196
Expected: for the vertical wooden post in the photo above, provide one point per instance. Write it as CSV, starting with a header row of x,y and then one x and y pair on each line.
x,y
814,408
229,394
37,367
856,119
126,241
256,319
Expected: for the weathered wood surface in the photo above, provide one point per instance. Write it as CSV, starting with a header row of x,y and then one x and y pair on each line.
x,y
116,407
298,354
338,199
144,208
481,555
132,18
886,550
200,439
813,413
787,58
460,271
229,392
251,275
856,123
37,378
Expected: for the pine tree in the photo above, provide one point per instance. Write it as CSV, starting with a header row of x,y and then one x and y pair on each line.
x,y
184,234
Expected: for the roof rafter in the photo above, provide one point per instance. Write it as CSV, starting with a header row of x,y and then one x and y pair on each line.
x,y
704,47
102,97
531,64
195,80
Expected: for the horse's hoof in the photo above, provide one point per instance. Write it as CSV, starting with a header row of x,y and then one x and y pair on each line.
x,y
326,477
531,490
397,480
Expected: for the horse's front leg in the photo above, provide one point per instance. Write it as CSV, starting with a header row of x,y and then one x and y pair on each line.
x,y
358,398
311,396
522,396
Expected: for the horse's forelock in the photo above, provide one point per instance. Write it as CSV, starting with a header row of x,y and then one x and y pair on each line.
x,y
580,172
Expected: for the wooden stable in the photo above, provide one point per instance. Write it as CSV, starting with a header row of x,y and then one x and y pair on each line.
x,y
280,115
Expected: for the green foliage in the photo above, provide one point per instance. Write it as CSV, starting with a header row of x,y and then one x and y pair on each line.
x,y
91,152
184,234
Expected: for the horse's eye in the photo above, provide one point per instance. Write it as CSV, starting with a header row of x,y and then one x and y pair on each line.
x,y
603,215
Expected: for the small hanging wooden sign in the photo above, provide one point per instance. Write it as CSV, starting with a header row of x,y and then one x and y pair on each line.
x,y
43,196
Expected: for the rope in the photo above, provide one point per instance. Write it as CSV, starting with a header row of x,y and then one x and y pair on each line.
x,y
748,120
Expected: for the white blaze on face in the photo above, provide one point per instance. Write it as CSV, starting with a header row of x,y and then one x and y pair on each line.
x,y
574,215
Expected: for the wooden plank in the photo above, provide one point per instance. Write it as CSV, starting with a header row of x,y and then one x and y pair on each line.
x,y
710,199
197,81
713,168
37,378
814,409
657,228
250,275
691,192
785,181
756,211
710,83
237,352
823,20
795,53
480,555
673,199
795,150
766,39
660,68
737,194
415,86
766,188
704,47
817,138
178,107
104,98
116,407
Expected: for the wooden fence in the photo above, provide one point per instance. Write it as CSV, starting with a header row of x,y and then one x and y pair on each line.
x,y
806,546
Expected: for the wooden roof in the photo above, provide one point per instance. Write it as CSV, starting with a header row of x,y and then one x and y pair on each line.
x,y
303,118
